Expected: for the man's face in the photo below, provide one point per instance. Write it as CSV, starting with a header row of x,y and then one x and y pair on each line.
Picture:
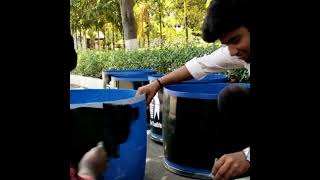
x,y
238,42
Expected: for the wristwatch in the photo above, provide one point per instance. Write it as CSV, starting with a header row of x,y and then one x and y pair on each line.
x,y
246,152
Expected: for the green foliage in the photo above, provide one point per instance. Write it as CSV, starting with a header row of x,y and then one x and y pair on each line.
x,y
173,20
91,15
163,60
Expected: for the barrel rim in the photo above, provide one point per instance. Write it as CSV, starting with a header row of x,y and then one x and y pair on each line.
x,y
198,95
136,77
187,171
128,71
132,99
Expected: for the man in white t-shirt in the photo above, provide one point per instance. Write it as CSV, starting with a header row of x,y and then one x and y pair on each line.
x,y
228,21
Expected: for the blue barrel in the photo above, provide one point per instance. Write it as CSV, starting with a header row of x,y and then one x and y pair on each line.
x,y
210,78
190,116
106,74
132,81
131,163
156,103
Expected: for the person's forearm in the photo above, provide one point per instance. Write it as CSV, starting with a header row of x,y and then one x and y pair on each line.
x,y
176,76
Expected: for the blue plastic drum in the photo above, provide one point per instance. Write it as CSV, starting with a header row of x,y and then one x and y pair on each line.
x,y
131,163
106,74
133,81
189,127
210,78
156,103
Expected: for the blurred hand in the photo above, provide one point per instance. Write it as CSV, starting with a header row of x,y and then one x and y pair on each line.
x,y
150,90
230,166
93,163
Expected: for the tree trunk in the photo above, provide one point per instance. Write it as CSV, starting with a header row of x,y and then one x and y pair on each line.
x,y
142,37
148,25
80,38
148,30
186,19
98,37
113,43
75,37
148,38
104,39
160,14
129,24
93,42
123,40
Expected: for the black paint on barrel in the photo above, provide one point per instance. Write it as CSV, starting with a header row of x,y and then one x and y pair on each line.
x,y
156,122
189,128
190,125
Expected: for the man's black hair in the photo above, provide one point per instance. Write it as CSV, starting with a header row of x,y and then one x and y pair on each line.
x,y
224,16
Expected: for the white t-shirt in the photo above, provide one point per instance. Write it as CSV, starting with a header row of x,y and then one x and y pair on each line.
x,y
218,61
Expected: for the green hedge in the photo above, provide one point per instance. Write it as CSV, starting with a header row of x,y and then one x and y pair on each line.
x,y
92,62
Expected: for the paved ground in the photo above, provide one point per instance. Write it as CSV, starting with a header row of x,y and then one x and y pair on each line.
x,y
154,168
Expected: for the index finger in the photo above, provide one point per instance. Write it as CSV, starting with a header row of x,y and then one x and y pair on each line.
x,y
139,92
217,165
